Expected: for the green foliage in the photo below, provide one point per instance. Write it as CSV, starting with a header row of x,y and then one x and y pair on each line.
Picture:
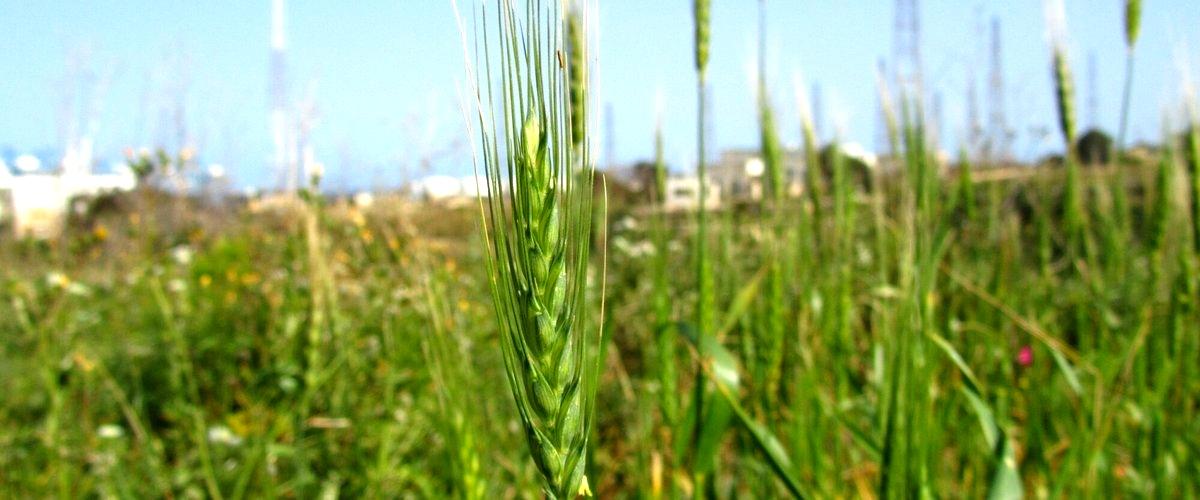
x,y
965,191
1192,156
406,400
1094,147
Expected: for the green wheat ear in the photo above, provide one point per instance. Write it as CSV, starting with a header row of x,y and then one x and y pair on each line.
x,y
771,149
537,227
577,71
1133,22
1192,152
1064,93
702,10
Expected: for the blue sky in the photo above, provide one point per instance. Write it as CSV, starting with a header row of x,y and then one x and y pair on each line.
x,y
383,73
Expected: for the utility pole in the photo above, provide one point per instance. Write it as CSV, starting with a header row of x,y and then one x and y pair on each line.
x,y
974,123
999,142
818,113
284,164
883,141
907,47
974,127
1093,92
935,129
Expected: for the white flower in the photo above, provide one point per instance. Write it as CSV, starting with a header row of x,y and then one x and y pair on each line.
x,y
886,292
57,279
110,431
77,289
182,255
222,435
621,244
316,171
364,199
864,255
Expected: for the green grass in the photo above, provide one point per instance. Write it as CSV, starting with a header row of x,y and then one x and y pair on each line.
x,y
170,352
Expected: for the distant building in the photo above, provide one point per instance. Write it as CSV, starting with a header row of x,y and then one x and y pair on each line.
x,y
38,200
364,199
5,192
437,187
741,174
444,188
683,194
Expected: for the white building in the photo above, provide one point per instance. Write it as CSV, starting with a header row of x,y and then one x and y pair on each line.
x,y
740,173
450,189
438,188
683,194
39,200
5,192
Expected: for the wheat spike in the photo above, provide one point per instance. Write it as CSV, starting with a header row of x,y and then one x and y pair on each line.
x,y
537,225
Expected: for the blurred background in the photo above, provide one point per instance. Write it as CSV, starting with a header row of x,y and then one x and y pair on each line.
x,y
372,89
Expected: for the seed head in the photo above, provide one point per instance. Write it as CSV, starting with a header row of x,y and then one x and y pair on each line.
x,y
1133,22
577,76
702,13
772,157
1064,93
537,228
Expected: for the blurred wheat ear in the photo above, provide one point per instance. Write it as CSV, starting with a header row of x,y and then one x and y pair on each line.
x,y
537,223
1192,157
1064,92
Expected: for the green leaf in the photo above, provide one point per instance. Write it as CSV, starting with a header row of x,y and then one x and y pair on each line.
x,y
722,369
772,448
958,361
860,436
1006,480
987,420
717,417
1068,371
742,302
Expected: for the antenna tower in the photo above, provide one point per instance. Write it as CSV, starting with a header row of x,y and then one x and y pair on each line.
x,y
1000,142
907,47
284,164
1093,92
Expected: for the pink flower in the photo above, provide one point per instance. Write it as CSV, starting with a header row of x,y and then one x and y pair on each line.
x,y
1025,356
